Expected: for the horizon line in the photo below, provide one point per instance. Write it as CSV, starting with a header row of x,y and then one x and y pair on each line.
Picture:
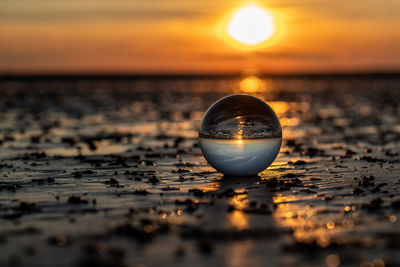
x,y
136,75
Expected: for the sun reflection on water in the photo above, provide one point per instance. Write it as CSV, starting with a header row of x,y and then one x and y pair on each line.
x,y
308,225
237,217
238,220
252,84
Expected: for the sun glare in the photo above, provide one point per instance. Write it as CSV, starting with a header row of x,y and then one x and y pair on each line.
x,y
252,84
251,25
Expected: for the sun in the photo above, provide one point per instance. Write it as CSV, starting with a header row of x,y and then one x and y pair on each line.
x,y
251,25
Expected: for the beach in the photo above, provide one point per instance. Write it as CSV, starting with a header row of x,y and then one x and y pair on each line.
x,y
107,171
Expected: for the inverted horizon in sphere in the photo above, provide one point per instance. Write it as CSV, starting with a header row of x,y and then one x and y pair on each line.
x,y
240,135
243,157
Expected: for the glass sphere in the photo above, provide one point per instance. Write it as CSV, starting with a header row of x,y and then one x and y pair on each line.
x,y
240,135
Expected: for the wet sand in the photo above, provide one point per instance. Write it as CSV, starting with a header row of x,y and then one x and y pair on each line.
x,y
109,173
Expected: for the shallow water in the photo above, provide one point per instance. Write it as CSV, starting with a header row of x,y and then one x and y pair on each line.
x,y
127,149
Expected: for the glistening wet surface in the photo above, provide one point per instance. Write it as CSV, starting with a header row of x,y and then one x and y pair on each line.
x,y
109,173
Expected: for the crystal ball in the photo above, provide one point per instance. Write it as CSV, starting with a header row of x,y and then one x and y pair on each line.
x,y
240,135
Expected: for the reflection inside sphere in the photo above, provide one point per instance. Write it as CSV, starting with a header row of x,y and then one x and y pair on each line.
x,y
240,135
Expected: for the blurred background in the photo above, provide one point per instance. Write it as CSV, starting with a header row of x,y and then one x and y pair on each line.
x,y
189,37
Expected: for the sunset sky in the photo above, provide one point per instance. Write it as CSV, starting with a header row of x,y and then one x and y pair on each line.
x,y
187,36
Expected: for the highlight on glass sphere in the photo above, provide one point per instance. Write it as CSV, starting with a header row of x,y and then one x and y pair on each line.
x,y
240,135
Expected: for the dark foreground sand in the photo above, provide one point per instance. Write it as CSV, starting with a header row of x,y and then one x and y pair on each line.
x,y
109,173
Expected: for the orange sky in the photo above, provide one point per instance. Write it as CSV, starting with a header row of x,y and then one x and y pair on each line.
x,y
182,36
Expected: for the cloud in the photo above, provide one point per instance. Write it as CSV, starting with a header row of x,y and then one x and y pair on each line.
x,y
295,55
114,14
270,55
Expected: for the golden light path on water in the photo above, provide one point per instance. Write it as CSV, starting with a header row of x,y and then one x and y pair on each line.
x,y
289,213
238,218
252,84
